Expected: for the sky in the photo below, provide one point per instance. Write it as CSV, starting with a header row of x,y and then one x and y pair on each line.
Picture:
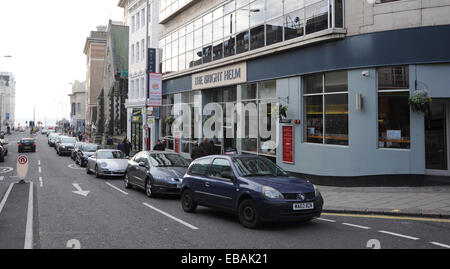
x,y
46,39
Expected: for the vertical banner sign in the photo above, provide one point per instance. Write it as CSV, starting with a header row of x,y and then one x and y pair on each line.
x,y
177,144
288,145
151,60
155,90
22,166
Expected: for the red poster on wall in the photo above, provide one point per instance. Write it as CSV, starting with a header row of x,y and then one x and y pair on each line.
x,y
288,144
177,144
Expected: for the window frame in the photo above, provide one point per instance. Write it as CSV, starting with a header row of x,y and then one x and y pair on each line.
x,y
220,178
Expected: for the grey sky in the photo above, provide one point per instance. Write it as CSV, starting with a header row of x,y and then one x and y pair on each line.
x,y
46,39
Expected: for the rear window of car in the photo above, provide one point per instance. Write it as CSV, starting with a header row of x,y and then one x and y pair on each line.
x,y
27,141
200,167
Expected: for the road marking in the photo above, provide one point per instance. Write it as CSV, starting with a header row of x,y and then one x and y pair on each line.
x,y
3,202
1,178
41,182
172,217
400,235
39,162
40,170
114,187
4,170
386,217
73,244
439,244
29,227
329,220
356,226
80,191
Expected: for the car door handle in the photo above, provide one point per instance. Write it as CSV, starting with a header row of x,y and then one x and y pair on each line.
x,y
207,184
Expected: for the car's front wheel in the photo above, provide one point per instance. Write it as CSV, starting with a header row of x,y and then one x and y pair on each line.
x,y
87,170
149,189
187,202
248,214
97,175
126,181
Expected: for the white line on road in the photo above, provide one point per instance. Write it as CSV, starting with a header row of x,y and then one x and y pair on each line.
x,y
172,217
39,162
114,187
40,170
400,235
356,226
29,227
439,244
329,220
1,178
2,203
41,182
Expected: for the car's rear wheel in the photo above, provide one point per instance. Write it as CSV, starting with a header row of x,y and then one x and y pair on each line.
x,y
187,202
87,170
126,181
248,214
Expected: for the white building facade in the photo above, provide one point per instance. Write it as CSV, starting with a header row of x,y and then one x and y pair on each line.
x,y
7,100
78,106
139,13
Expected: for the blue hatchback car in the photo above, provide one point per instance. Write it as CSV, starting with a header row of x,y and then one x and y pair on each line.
x,y
253,187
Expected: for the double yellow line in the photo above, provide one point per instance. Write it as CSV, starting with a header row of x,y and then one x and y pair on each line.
x,y
386,217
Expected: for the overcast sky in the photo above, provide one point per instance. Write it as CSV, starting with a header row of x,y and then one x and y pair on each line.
x,y
46,39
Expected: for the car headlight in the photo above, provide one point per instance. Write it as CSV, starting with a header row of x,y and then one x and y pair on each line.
x,y
316,191
272,193
63,147
103,165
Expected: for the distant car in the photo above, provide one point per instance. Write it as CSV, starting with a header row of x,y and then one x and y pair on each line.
x,y
44,131
50,131
64,145
107,162
84,152
21,129
156,172
252,187
73,153
52,139
26,144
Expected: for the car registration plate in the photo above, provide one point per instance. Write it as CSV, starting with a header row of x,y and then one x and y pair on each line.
x,y
303,206
27,147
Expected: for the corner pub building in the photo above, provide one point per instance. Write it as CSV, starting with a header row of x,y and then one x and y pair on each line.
x,y
344,69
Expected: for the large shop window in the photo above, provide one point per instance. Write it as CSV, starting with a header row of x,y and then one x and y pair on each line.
x,y
393,107
166,113
263,97
326,108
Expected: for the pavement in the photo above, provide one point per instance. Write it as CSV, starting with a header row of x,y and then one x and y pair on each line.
x,y
423,201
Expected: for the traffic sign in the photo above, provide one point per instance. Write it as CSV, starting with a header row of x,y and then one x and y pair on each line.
x,y
22,166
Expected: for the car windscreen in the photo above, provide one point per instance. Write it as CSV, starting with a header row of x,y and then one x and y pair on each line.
x,y
69,140
248,167
89,148
167,160
111,155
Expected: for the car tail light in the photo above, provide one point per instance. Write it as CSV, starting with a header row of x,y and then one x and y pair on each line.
x,y
34,144
20,145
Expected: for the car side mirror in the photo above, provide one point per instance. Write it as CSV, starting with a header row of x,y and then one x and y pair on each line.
x,y
227,175
142,164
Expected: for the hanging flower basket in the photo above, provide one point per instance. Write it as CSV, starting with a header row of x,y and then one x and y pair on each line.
x,y
283,114
170,120
419,101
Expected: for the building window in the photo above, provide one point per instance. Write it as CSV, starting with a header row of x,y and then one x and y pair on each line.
x,y
132,54
393,107
79,107
263,97
326,108
143,49
166,112
133,25
143,17
137,52
138,21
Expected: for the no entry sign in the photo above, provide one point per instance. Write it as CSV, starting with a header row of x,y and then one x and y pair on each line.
x,y
22,166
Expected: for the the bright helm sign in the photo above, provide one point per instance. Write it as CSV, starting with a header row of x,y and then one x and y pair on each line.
x,y
22,166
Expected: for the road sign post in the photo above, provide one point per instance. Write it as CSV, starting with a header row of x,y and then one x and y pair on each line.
x,y
22,168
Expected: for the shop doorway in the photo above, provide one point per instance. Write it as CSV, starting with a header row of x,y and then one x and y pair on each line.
x,y
437,138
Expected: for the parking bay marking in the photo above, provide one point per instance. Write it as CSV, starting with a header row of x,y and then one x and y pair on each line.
x,y
1,178
172,217
328,220
399,235
114,187
356,226
3,202
440,245
29,227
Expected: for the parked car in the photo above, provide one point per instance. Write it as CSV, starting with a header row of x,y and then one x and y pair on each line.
x,y
64,145
107,162
84,152
73,153
156,172
52,139
252,187
50,131
26,144
3,150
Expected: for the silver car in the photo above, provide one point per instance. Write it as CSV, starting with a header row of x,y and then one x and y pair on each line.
x,y
156,172
107,163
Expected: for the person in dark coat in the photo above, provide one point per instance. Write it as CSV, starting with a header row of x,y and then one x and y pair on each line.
x,y
120,146
127,147
196,151
159,146
207,147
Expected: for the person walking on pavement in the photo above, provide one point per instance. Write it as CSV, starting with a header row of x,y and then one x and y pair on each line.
x,y
127,147
159,146
196,151
109,142
207,147
120,146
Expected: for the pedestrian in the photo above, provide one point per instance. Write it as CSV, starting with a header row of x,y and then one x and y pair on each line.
x,y
109,142
196,151
159,146
127,147
121,145
207,147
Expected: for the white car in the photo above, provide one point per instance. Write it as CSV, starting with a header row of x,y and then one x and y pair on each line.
x,y
107,163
